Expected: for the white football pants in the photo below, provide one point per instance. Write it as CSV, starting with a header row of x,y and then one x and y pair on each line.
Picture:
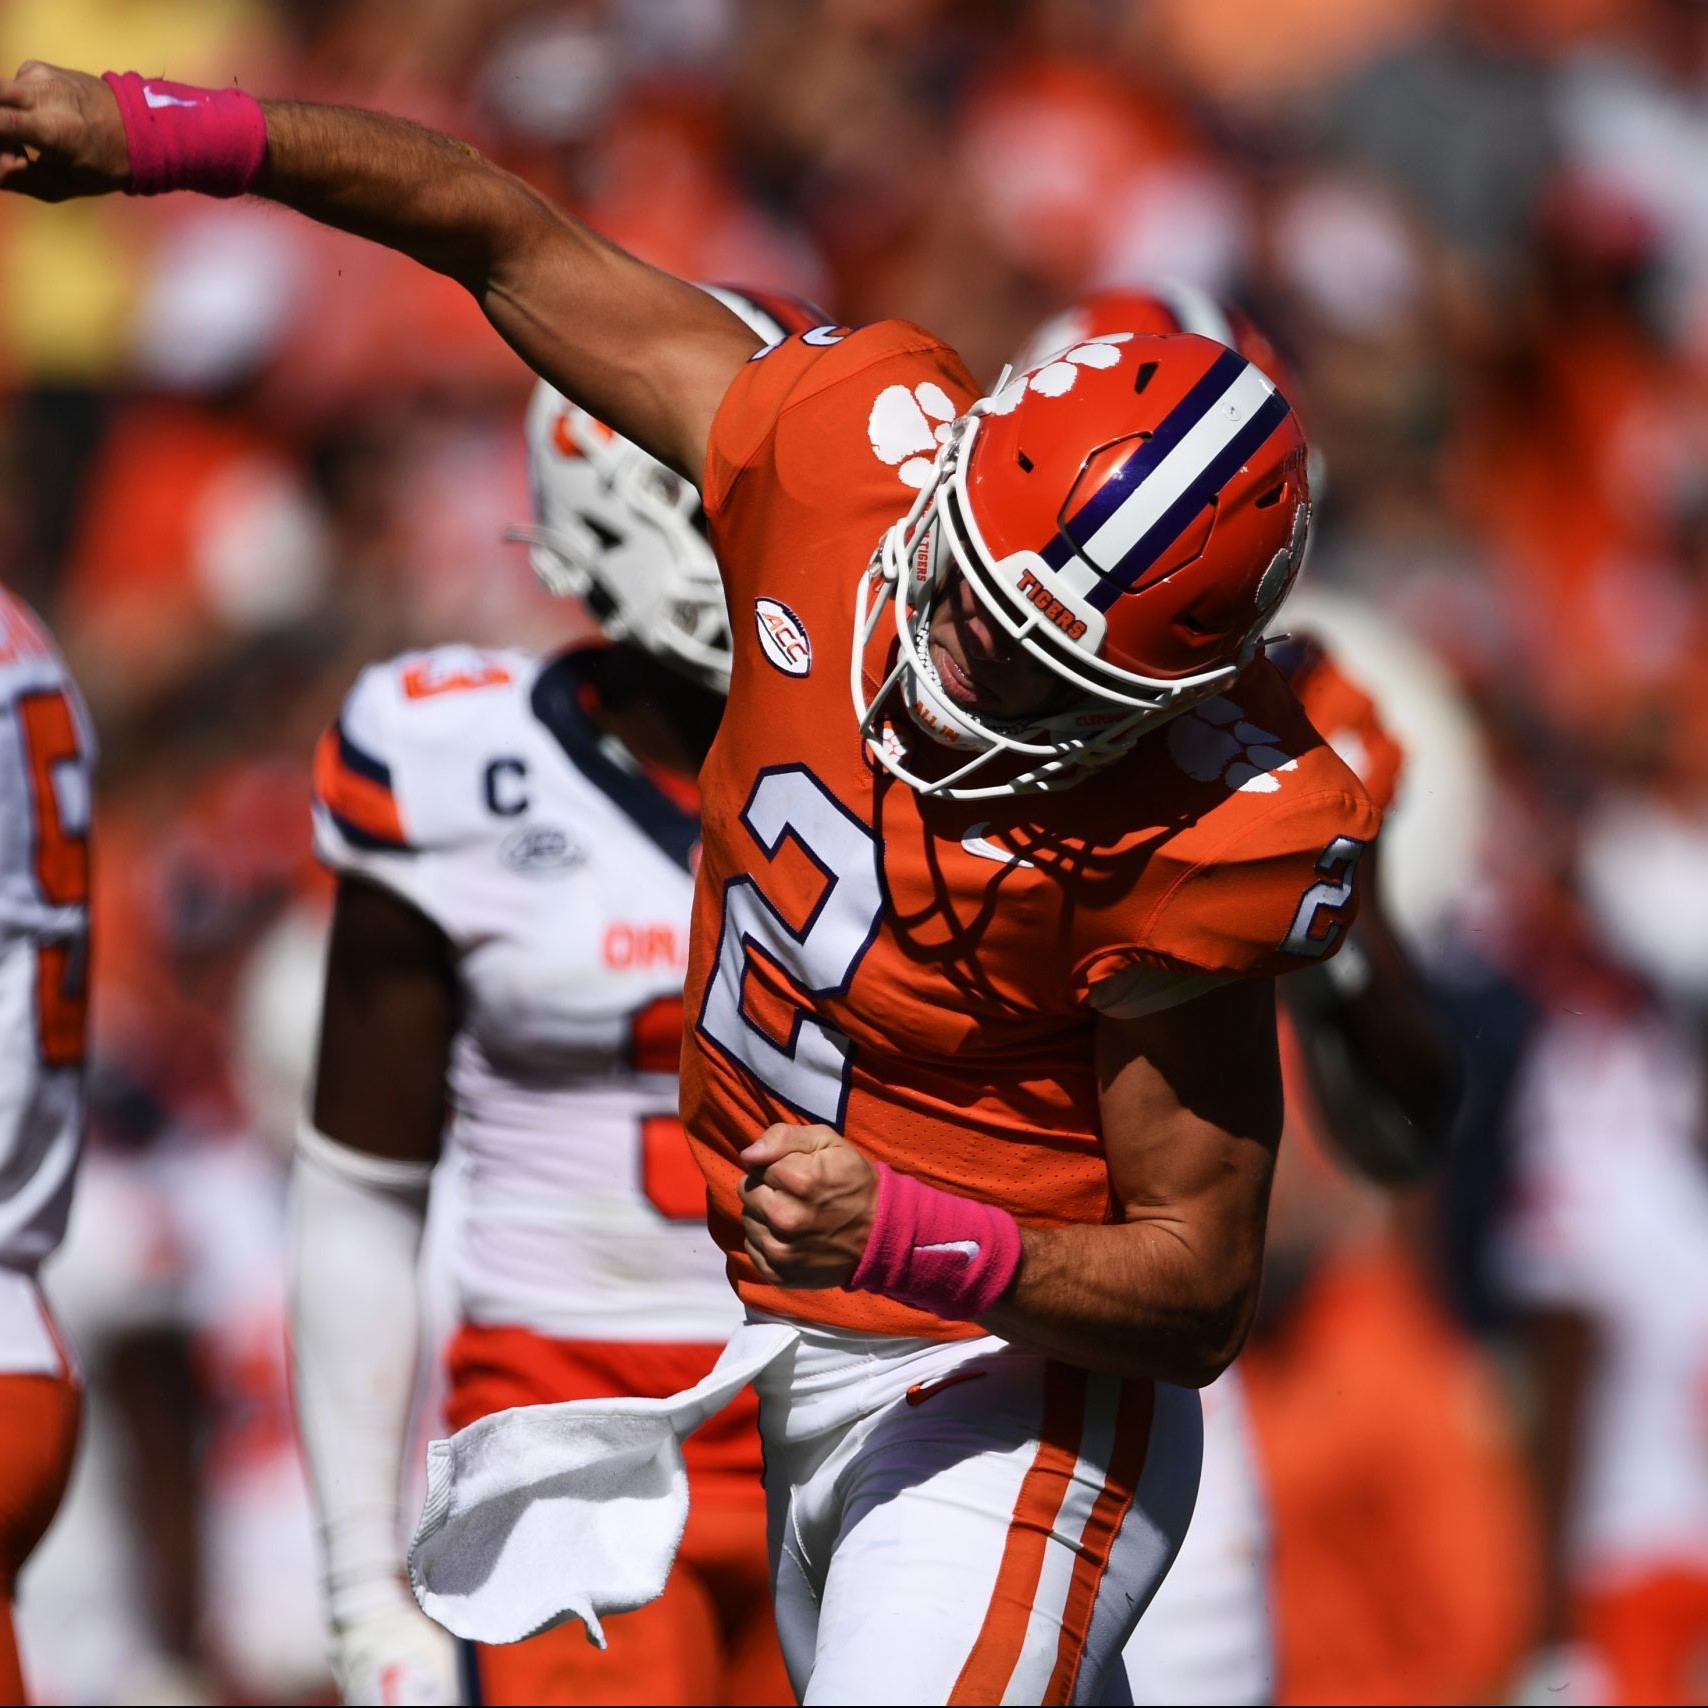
x,y
1207,1640
966,1522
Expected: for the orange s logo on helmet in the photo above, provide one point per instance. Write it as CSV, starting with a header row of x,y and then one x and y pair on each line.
x,y
564,440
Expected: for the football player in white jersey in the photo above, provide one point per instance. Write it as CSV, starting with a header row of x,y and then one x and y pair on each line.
x,y
46,751
514,840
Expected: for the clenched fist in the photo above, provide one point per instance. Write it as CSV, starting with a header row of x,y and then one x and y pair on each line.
x,y
808,1203
60,135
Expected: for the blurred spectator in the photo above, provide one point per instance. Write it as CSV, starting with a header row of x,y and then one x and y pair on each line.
x,y
1432,114
1405,1551
1605,1256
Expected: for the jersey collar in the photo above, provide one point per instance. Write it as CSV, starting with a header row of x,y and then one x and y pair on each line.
x,y
557,701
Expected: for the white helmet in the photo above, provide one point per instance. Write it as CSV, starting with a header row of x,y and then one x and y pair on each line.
x,y
614,527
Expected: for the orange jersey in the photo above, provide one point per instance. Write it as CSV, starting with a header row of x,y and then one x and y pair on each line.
x,y
1343,714
921,973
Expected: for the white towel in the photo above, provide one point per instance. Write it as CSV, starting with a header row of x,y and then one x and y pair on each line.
x,y
541,1513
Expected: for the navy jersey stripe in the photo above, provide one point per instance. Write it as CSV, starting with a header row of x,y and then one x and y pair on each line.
x,y
357,837
362,763
556,702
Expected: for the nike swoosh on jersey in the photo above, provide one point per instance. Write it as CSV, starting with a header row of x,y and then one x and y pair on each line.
x,y
159,98
968,1248
920,1392
974,843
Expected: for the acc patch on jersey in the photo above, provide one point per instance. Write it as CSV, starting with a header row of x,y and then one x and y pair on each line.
x,y
783,636
541,850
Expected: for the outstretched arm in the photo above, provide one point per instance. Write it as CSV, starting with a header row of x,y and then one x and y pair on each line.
x,y
644,351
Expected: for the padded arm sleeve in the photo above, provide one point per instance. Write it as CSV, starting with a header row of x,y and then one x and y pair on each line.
x,y
356,1225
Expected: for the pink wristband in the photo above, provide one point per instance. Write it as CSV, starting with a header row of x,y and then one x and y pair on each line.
x,y
938,1252
184,138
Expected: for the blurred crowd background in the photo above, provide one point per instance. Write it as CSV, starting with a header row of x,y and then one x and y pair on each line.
x,y
240,456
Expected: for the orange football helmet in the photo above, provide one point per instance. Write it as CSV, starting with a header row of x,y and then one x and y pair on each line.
x,y
1171,306
1131,511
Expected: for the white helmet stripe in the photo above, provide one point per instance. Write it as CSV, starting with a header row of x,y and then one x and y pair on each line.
x,y
1157,492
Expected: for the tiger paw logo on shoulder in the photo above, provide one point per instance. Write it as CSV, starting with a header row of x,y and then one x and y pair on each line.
x,y
1215,741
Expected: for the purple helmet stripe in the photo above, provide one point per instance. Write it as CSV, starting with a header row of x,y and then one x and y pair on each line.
x,y
1173,522
1142,460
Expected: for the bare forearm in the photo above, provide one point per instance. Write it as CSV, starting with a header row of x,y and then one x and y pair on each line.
x,y
443,204
1134,1300
648,354
430,196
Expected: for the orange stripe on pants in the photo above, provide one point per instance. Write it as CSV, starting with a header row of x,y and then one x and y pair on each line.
x,y
1097,1544
996,1651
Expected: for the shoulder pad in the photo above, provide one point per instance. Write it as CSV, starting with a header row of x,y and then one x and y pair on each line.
x,y
1345,715
802,379
1259,873
399,733
1266,883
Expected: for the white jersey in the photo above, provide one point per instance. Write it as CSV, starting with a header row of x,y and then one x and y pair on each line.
x,y
475,786
46,749
1610,1217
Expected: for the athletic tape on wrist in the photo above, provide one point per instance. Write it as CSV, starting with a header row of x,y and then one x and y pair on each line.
x,y
361,1168
184,138
936,1251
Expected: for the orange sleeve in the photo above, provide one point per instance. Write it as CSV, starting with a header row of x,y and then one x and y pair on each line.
x,y
1273,892
805,412
354,789
1345,715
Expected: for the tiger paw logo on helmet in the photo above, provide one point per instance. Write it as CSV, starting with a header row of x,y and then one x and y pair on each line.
x,y
1213,741
906,427
1058,376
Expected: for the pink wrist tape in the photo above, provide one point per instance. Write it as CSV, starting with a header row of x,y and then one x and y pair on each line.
x,y
935,1251
184,138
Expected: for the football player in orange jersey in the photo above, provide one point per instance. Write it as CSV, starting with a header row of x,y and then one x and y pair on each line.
x,y
981,1068
513,839
1380,1073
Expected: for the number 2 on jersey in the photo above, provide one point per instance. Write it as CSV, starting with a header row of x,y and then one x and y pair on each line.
x,y
1338,863
809,1068
49,732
